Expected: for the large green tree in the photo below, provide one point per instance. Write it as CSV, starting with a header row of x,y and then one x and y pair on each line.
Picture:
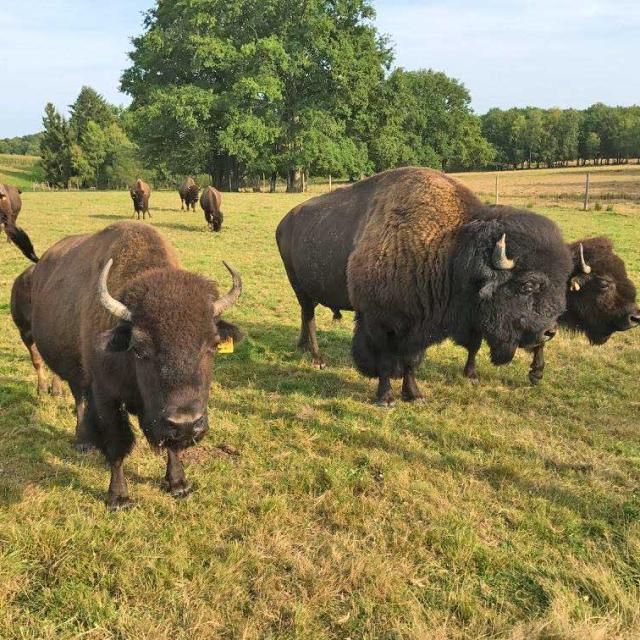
x,y
55,147
248,87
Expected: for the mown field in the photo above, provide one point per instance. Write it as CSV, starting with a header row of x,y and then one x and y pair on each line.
x,y
18,170
492,511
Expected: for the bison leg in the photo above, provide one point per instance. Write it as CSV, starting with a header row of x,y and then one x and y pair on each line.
x,y
175,480
337,316
56,385
112,434
384,394
181,204
118,491
470,366
410,390
537,365
83,441
38,365
308,340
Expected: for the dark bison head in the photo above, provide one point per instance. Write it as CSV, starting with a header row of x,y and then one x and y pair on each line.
x,y
521,266
601,299
170,327
137,195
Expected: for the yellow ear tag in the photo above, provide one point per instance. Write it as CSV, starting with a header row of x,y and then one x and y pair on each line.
x,y
226,346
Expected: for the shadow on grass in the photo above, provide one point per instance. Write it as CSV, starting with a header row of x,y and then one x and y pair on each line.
x,y
109,216
179,226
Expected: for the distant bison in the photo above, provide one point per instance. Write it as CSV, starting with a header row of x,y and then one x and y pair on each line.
x,y
420,258
210,201
140,194
10,205
188,194
115,315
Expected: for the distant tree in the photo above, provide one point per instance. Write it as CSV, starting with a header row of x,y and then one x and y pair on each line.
x,y
55,147
209,95
425,118
88,107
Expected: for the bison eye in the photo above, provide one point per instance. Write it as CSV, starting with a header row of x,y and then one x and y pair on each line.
x,y
604,284
529,287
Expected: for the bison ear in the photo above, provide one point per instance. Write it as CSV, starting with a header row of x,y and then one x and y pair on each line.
x,y
116,340
228,330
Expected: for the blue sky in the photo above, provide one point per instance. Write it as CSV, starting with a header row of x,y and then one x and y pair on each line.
x,y
507,52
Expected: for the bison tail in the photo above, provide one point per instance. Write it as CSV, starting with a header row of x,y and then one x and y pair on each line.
x,y
23,242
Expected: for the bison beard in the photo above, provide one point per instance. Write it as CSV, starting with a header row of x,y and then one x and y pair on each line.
x,y
115,316
420,258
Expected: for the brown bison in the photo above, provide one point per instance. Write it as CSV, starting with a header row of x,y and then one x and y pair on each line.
x,y
420,258
140,194
210,201
188,194
115,315
10,205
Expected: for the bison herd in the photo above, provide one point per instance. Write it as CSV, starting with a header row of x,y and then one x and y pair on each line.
x,y
414,253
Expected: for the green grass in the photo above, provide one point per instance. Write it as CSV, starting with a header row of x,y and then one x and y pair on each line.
x,y
496,511
20,171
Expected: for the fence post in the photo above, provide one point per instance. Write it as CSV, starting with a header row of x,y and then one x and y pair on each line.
x,y
586,194
329,182
497,197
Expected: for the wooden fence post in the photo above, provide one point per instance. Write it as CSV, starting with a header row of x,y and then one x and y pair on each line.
x,y
329,182
586,194
497,196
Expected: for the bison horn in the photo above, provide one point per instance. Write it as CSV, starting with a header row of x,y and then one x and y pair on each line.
x,y
583,265
109,303
500,260
222,304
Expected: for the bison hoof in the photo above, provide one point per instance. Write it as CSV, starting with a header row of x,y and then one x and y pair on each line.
x,y
119,503
83,447
386,402
181,492
415,399
56,392
535,377
318,364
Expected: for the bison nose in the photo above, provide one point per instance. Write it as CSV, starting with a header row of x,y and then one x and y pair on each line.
x,y
549,334
634,319
184,418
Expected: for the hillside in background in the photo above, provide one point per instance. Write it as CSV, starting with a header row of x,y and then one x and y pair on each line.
x,y
21,171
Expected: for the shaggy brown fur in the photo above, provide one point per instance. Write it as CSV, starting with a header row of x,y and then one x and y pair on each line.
x,y
155,366
410,250
210,201
140,194
188,194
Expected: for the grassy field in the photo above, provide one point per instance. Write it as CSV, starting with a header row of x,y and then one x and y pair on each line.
x,y
492,511
18,170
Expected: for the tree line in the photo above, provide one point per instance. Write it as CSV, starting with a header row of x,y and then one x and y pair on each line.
x,y
250,91
554,137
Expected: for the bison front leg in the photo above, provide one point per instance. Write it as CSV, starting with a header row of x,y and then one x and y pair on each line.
x,y
470,366
537,365
84,434
175,480
112,434
56,385
118,491
410,390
